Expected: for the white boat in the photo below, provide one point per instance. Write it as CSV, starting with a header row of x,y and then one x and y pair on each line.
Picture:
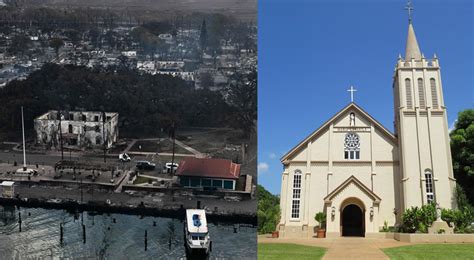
x,y
197,238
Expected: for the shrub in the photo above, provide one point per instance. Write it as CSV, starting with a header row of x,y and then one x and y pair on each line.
x,y
321,219
385,226
418,219
462,219
448,215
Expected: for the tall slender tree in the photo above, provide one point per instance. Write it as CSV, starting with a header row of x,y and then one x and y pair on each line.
x,y
462,151
203,37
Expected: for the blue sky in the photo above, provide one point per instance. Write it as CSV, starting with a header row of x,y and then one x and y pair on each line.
x,y
311,51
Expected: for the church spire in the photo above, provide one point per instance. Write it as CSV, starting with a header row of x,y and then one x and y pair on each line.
x,y
412,49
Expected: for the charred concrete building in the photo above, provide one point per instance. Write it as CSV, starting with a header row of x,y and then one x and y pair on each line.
x,y
78,128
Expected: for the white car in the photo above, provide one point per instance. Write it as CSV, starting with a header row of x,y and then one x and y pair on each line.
x,y
123,157
167,167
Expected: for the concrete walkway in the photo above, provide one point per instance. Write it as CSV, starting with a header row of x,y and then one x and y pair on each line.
x,y
189,149
162,154
344,247
129,146
193,151
354,248
122,181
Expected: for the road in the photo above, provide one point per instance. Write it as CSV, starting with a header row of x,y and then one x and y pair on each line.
x,y
51,159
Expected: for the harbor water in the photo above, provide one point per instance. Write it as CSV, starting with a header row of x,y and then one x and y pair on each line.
x,y
110,236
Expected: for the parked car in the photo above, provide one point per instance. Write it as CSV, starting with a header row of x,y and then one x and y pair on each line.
x,y
167,167
123,157
145,165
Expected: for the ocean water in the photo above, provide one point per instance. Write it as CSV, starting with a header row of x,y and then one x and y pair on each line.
x,y
123,238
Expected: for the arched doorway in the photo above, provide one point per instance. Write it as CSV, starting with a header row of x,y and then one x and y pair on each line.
x,y
352,221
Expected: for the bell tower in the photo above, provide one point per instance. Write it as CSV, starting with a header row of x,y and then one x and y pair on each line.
x,y
422,129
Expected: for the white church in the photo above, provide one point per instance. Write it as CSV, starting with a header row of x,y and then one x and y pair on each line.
x,y
360,173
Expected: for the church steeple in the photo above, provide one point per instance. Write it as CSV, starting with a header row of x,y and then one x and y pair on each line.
x,y
422,128
412,49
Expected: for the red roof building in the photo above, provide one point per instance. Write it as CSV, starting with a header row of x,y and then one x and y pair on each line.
x,y
208,173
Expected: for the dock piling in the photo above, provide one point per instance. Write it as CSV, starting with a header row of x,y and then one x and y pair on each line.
x,y
83,233
146,240
19,220
61,233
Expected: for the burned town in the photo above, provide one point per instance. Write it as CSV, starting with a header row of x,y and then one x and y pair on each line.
x,y
116,110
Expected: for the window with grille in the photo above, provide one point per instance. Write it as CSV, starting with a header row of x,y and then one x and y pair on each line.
x,y
295,205
408,94
421,93
351,146
429,186
434,94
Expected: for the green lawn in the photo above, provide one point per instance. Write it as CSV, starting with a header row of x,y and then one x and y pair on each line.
x,y
432,251
289,251
141,179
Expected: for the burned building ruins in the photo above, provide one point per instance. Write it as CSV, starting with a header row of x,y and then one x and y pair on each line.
x,y
78,128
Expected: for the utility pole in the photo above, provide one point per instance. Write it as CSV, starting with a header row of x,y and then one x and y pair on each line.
x,y
173,135
82,212
103,134
81,190
60,135
23,131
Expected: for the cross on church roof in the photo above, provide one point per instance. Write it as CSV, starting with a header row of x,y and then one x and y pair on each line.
x,y
352,90
409,8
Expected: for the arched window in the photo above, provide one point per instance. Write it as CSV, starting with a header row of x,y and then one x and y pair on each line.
x,y
295,205
429,186
351,146
434,93
70,129
421,93
408,94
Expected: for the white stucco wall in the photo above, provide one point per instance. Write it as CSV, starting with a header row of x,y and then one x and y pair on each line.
x,y
324,169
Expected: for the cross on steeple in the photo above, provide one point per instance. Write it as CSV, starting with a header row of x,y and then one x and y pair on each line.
x,y
409,8
352,90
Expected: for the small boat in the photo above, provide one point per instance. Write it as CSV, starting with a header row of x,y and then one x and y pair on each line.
x,y
196,233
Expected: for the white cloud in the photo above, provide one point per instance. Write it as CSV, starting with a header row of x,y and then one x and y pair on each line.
x,y
272,155
262,167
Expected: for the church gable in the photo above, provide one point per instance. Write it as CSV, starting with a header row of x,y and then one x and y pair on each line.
x,y
321,139
350,119
352,183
